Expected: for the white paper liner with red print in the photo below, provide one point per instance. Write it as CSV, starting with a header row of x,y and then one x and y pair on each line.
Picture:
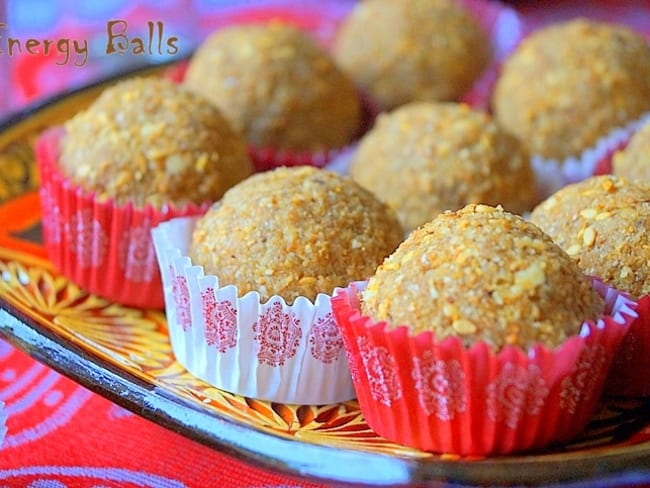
x,y
630,373
505,29
442,397
104,248
552,175
270,351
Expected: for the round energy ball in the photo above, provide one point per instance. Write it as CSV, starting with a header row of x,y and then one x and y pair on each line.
x,y
294,232
424,158
150,141
418,50
482,274
603,223
277,87
569,84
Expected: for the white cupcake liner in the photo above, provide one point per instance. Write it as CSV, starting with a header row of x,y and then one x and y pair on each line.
x,y
270,351
3,423
552,174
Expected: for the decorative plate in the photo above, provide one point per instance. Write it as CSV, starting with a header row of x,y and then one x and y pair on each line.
x,y
125,355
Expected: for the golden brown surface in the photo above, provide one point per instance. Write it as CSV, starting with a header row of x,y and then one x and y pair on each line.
x,y
603,223
482,274
402,51
276,86
295,231
569,84
150,141
426,157
633,162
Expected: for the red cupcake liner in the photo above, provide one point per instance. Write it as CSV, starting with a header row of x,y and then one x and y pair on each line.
x,y
442,397
630,373
104,248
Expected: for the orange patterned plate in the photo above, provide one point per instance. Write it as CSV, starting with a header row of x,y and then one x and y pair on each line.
x,y
125,355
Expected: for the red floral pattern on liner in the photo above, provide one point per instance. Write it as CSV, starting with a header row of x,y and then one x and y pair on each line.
x,y
220,317
325,339
521,392
181,294
278,335
582,383
630,373
107,249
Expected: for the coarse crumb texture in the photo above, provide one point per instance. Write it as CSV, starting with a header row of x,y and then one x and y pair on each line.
x,y
295,232
277,86
426,157
633,162
571,83
403,51
150,141
482,274
603,223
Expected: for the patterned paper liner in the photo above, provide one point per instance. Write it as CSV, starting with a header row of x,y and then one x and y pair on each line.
x,y
442,397
552,174
630,373
271,351
103,247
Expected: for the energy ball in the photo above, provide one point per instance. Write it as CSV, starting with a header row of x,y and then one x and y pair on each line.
x,y
603,223
482,274
277,87
571,83
425,157
294,232
150,141
403,51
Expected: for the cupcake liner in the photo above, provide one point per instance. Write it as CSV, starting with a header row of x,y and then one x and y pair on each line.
x,y
104,248
443,397
270,351
552,175
630,373
505,28
267,158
